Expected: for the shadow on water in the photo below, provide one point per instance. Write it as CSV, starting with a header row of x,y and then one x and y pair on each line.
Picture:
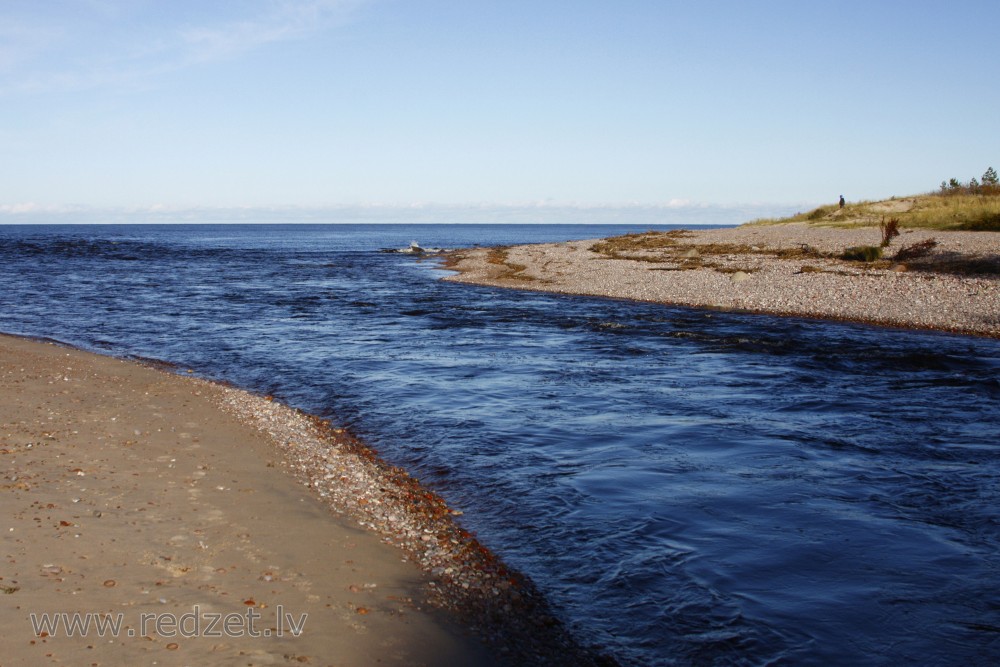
x,y
689,487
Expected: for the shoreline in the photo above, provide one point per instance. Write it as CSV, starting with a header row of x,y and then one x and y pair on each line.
x,y
419,589
783,270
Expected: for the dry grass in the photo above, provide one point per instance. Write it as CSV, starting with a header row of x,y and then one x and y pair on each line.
x,y
962,212
931,211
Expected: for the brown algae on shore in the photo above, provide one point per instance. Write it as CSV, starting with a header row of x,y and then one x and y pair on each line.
x,y
929,279
499,256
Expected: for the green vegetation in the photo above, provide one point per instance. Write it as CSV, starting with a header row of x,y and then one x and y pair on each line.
x,y
863,253
971,206
989,186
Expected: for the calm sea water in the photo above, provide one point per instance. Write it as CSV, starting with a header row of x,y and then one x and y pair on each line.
x,y
688,487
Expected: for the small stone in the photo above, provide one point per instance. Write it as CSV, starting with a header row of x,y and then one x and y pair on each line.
x,y
740,276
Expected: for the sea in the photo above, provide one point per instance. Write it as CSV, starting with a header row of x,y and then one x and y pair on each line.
x,y
687,487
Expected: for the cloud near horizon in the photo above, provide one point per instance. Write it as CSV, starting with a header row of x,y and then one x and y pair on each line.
x,y
671,213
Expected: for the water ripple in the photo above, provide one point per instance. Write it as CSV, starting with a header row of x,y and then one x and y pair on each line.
x,y
688,487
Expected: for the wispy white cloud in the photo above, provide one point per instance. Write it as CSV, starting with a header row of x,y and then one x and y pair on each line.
x,y
21,41
105,43
281,21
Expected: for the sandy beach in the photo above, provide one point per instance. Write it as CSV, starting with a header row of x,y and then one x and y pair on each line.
x,y
216,527
782,269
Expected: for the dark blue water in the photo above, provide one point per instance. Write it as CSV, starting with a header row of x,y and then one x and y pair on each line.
x,y
688,487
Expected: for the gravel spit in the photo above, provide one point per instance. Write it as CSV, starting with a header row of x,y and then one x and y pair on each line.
x,y
779,269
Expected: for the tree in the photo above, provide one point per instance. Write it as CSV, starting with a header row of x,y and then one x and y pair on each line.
x,y
974,186
990,184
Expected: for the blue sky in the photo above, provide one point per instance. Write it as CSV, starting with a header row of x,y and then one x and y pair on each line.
x,y
325,108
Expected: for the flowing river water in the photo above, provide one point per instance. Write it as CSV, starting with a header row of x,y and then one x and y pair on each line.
x,y
687,487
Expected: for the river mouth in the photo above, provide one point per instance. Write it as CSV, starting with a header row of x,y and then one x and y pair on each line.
x,y
686,486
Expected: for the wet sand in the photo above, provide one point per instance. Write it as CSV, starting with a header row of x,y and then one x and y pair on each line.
x,y
786,269
129,492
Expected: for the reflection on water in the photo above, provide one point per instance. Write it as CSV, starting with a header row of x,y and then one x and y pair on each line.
x,y
689,487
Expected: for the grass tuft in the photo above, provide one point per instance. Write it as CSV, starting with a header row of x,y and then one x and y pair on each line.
x,y
863,253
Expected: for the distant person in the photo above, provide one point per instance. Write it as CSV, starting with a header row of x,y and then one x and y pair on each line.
x,y
842,202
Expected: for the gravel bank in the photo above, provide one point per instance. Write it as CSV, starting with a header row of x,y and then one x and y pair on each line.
x,y
780,269
466,578
131,493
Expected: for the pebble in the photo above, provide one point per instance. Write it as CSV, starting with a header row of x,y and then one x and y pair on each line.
x,y
466,576
829,288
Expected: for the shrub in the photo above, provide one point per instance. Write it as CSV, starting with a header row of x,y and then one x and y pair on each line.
x,y
915,250
864,253
890,230
991,183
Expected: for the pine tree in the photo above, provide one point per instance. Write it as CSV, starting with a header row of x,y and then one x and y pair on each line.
x,y
990,182
990,178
